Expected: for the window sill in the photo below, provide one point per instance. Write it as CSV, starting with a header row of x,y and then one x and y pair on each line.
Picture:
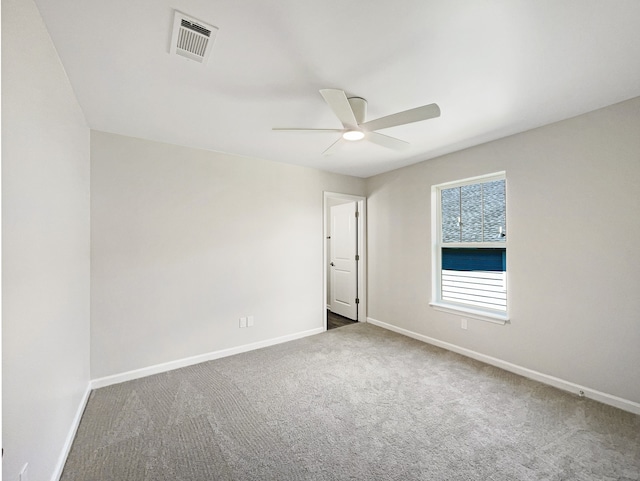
x,y
472,313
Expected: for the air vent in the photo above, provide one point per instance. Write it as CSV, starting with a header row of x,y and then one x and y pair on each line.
x,y
192,38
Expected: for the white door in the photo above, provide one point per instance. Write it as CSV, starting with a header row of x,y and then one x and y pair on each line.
x,y
344,267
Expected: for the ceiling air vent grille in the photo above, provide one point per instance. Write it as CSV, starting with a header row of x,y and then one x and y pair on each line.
x,y
192,38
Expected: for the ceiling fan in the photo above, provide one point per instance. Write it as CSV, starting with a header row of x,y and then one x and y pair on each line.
x,y
352,111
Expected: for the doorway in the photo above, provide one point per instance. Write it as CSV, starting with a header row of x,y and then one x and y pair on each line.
x,y
344,281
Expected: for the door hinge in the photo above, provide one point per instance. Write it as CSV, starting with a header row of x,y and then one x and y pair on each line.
x,y
357,301
357,257
357,214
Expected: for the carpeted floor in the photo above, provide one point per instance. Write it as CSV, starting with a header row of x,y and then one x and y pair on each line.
x,y
355,403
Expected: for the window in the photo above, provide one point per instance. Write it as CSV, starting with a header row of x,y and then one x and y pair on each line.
x,y
470,247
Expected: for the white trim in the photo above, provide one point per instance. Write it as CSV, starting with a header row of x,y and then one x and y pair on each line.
x,y
66,449
189,361
475,180
480,314
362,250
611,400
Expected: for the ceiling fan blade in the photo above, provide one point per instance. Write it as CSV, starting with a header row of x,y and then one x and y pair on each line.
x,y
340,105
334,147
295,129
406,117
386,141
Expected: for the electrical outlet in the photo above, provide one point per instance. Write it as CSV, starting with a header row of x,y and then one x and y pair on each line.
x,y
463,323
243,322
250,321
23,476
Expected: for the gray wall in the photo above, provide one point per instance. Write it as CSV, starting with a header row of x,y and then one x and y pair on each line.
x,y
45,254
185,241
573,203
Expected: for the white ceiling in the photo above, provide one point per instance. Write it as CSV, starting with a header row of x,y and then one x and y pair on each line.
x,y
495,68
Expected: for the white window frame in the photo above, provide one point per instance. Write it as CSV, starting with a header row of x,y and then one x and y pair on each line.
x,y
437,302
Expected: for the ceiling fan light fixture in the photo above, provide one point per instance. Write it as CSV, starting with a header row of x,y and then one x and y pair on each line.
x,y
353,135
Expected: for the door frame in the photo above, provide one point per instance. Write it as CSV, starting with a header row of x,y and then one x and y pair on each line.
x,y
362,251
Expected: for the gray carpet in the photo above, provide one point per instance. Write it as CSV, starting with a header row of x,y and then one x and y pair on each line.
x,y
355,403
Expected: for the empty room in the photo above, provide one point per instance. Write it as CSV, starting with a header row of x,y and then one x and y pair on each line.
x,y
297,240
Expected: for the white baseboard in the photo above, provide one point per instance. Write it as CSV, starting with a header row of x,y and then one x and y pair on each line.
x,y
189,361
71,435
602,397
